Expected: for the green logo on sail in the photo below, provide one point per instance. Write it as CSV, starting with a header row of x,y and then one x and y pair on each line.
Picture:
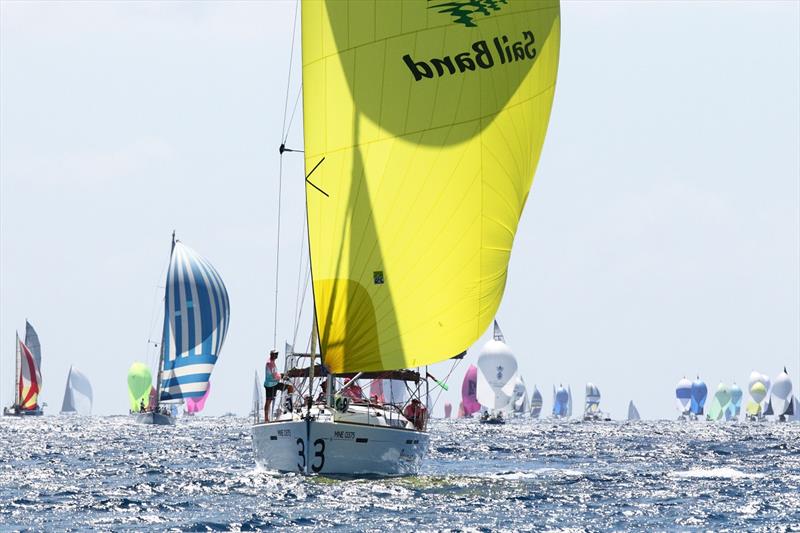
x,y
466,11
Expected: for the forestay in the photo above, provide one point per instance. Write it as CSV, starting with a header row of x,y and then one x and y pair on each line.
x,y
196,319
423,125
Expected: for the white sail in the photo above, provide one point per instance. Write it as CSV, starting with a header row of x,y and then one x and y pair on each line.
x,y
78,395
536,402
592,404
569,401
394,391
633,413
519,396
782,394
258,401
497,368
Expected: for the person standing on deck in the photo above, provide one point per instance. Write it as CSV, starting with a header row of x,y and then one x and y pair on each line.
x,y
272,383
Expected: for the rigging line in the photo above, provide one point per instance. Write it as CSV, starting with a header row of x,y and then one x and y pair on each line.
x,y
294,110
277,255
289,75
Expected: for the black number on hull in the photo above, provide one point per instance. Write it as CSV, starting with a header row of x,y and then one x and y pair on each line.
x,y
319,453
302,453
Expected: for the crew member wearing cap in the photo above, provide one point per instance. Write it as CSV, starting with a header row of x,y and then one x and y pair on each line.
x,y
272,383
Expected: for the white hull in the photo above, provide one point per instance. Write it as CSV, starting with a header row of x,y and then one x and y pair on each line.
x,y
324,446
156,419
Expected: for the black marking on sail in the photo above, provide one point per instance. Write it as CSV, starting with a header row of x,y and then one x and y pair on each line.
x,y
464,11
377,277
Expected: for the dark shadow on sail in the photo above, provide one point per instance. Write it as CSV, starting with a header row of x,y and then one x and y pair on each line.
x,y
418,56
360,312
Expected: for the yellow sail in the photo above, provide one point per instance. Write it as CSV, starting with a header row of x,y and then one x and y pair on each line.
x,y
429,118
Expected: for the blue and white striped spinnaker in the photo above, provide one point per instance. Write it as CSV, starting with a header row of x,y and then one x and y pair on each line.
x,y
196,317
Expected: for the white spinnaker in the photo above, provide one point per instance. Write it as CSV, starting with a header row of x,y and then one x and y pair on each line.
x,y
497,368
781,393
78,394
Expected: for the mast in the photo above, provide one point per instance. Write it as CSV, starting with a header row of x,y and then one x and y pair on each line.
x,y
16,374
160,367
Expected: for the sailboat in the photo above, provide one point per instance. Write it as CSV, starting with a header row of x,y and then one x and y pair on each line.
x,y
448,409
719,403
569,401
735,405
536,402
633,412
195,405
699,392
560,402
196,317
497,378
257,406
781,398
683,397
78,395
758,388
27,376
519,397
413,197
469,393
591,409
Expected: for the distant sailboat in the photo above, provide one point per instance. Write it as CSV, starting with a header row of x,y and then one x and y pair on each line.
x,y
258,399
195,405
140,383
699,395
78,395
735,405
519,397
781,397
591,408
469,393
27,376
683,396
536,403
560,402
448,409
196,317
569,401
758,388
497,373
719,403
633,413
795,417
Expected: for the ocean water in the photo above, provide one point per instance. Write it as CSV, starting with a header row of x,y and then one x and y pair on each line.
x,y
59,473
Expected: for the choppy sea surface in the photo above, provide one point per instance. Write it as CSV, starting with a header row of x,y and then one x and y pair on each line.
x,y
59,473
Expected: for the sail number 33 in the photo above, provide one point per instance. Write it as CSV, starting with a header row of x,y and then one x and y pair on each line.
x,y
319,452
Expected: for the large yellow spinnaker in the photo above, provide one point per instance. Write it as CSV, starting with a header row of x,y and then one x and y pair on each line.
x,y
430,116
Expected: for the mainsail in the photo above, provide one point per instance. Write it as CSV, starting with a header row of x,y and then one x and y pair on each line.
x,y
633,412
423,126
536,402
569,400
469,391
139,383
33,344
196,316
195,405
29,379
699,393
78,395
497,369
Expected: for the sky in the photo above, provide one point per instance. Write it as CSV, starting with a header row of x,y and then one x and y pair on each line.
x,y
661,238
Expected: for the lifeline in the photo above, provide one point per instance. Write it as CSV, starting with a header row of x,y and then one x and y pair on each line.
x,y
480,57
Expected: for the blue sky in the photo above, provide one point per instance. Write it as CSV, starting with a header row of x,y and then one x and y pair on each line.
x,y
661,237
